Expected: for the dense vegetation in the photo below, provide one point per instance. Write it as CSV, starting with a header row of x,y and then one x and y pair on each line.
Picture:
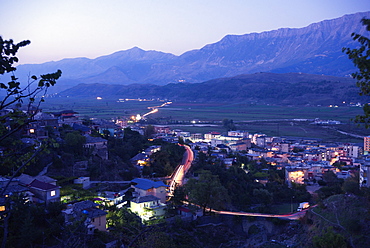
x,y
238,187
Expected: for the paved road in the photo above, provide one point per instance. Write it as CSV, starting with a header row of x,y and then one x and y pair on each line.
x,y
180,171
294,216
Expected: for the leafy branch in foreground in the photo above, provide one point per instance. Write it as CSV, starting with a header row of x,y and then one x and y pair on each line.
x,y
361,59
15,154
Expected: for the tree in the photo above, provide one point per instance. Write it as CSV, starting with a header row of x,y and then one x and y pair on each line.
x,y
351,185
149,131
361,59
263,196
228,124
13,122
74,142
124,224
330,239
206,191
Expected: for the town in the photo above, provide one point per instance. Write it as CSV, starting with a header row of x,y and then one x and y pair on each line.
x,y
257,140
304,170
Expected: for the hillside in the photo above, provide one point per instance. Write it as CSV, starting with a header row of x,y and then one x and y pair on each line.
x,y
315,49
265,88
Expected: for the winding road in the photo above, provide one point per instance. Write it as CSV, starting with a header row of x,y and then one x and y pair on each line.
x,y
178,175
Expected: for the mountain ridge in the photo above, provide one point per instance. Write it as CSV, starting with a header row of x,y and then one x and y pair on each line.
x,y
314,49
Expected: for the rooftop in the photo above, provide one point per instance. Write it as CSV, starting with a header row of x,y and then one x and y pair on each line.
x,y
147,198
146,184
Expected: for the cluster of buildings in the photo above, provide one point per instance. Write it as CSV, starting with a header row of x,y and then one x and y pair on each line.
x,y
305,159
149,198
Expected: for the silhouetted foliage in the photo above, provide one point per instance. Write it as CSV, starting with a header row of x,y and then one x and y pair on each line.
x,y
361,59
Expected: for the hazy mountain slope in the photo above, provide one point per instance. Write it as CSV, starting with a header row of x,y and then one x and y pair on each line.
x,y
267,88
315,49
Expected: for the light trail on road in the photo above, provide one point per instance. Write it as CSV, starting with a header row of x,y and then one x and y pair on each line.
x,y
182,169
294,216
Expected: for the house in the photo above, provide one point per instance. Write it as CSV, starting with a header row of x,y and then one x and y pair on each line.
x,y
162,129
44,189
44,192
211,135
140,159
186,213
97,145
36,129
67,117
295,175
365,174
84,181
95,217
144,187
241,146
147,207
221,147
196,137
238,133
27,179
13,188
81,128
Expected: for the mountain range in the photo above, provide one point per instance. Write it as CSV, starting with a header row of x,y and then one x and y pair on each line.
x,y
256,88
315,49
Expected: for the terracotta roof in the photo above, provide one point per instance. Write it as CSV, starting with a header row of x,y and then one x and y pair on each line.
x,y
182,209
41,185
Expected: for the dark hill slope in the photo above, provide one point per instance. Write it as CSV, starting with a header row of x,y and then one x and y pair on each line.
x,y
268,88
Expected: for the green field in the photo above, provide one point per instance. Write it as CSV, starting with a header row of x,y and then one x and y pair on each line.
x,y
245,112
103,109
271,120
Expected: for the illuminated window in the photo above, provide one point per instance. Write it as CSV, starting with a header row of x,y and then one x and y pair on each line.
x,y
32,130
2,208
52,193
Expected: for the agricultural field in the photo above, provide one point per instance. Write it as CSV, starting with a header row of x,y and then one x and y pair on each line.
x,y
204,117
99,108
247,112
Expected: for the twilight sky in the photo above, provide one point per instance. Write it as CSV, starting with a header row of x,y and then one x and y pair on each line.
x,y
92,28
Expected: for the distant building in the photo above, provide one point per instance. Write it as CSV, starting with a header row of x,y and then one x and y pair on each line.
x,y
97,145
296,175
84,181
162,129
238,133
211,135
241,146
196,137
365,174
367,144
